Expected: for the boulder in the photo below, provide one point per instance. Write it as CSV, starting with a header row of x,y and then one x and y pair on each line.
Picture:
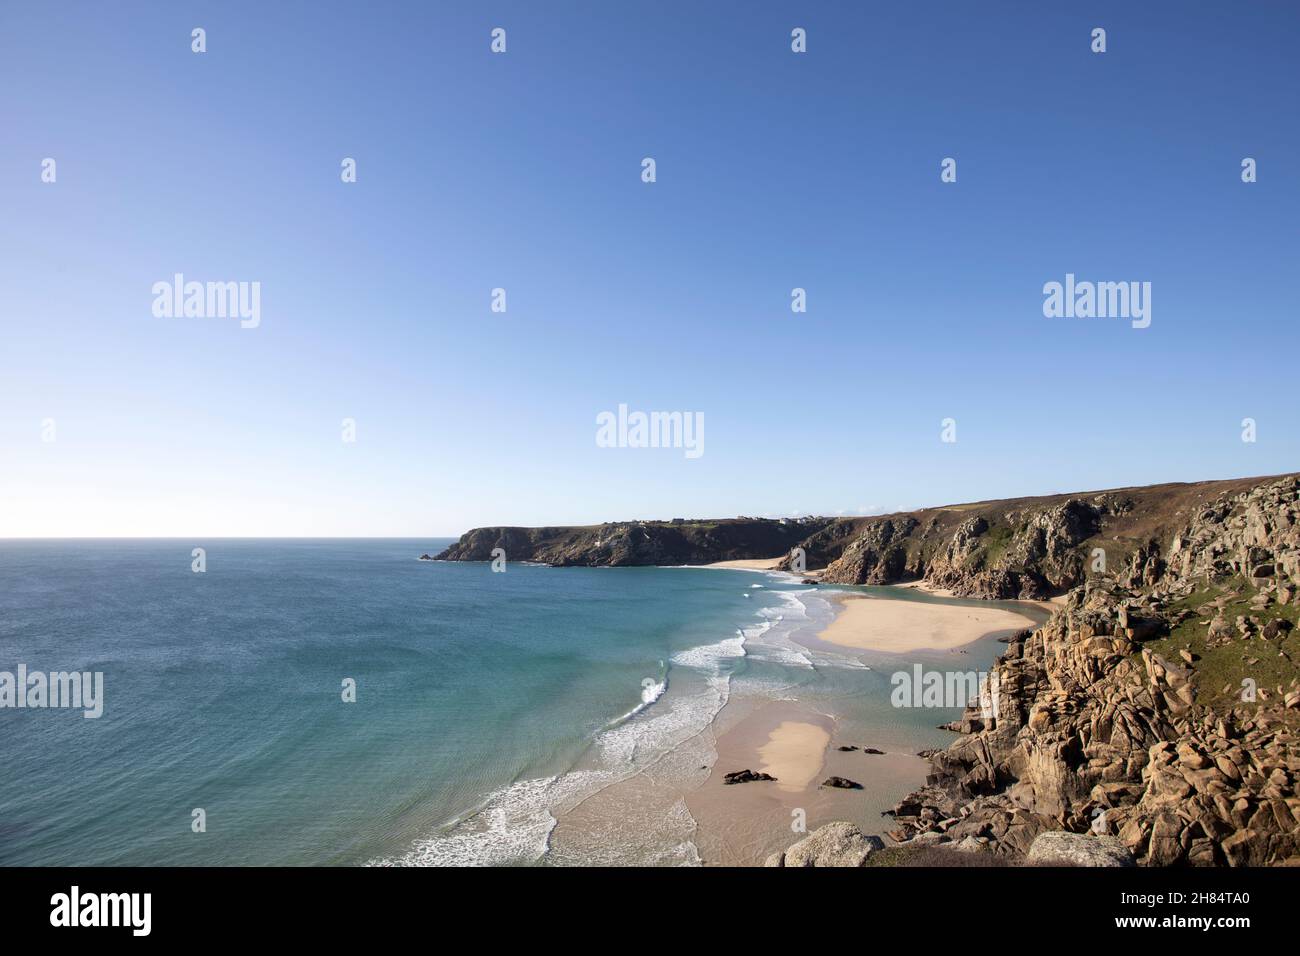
x,y
1078,849
835,844
842,783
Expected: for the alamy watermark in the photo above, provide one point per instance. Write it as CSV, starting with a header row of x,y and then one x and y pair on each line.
x,y
208,300
1100,300
626,429
129,910
82,690
946,689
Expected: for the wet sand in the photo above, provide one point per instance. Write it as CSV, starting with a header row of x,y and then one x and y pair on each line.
x,y
742,824
1051,604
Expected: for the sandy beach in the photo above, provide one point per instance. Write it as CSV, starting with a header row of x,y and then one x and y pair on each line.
x,y
902,627
835,724
1051,604
741,824
760,564
793,754
838,723
749,564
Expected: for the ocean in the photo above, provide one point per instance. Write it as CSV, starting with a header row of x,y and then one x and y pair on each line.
x,y
487,705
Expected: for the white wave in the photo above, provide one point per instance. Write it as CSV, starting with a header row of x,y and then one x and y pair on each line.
x,y
709,657
772,642
788,656
515,824
636,743
651,691
513,827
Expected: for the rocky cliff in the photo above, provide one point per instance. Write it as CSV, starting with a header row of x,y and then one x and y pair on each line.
x,y
1018,548
1160,705
1015,548
1158,709
638,542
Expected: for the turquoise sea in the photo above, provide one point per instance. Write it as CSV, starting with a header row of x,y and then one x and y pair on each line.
x,y
486,703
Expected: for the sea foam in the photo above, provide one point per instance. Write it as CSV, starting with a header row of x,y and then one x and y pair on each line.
x,y
516,823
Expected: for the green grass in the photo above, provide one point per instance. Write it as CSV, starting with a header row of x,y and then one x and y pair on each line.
x,y
994,542
1216,667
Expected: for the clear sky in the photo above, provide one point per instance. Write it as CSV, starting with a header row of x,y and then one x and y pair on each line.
x,y
522,171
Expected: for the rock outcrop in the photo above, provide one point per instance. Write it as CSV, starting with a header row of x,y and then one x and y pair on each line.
x,y
1029,548
1060,847
835,844
1017,548
632,543
1160,706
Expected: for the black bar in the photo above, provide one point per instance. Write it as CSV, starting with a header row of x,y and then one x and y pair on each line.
x,y
211,905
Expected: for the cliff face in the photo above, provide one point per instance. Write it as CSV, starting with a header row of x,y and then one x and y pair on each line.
x,y
638,542
1027,548
1017,548
1159,705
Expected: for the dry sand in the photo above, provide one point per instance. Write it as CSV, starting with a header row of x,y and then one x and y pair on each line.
x,y
901,627
760,564
794,753
749,564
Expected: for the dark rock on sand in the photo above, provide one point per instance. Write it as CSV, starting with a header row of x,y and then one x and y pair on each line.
x,y
746,776
842,783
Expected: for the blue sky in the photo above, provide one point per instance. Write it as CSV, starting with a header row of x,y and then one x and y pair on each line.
x,y
775,170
